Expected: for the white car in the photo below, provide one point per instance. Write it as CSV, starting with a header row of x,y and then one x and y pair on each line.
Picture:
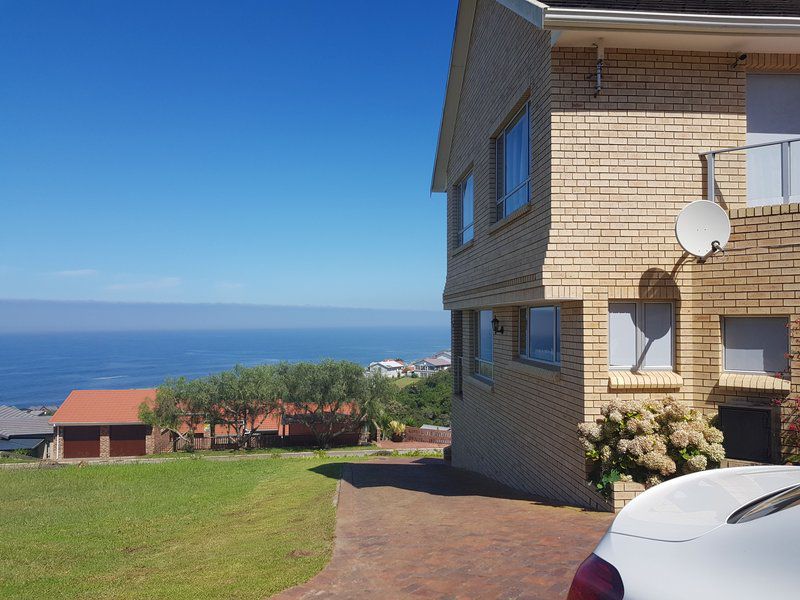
x,y
725,533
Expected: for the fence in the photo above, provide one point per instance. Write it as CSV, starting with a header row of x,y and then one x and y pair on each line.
x,y
228,442
428,436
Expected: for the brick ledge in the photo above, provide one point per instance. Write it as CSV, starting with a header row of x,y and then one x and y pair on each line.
x,y
644,380
750,381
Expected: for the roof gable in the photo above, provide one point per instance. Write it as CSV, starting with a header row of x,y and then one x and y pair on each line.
x,y
711,25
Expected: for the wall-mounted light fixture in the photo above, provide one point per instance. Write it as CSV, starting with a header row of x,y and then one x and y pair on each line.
x,y
739,60
496,326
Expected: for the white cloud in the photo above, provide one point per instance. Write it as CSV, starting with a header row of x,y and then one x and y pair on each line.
x,y
162,283
77,273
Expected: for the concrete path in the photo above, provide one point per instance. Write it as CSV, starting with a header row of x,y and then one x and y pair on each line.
x,y
417,528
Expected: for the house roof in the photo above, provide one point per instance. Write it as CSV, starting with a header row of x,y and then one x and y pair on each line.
x,y
436,362
388,364
102,407
20,444
709,25
16,423
776,8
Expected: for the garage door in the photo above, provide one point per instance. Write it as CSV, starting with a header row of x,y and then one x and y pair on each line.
x,y
81,442
127,440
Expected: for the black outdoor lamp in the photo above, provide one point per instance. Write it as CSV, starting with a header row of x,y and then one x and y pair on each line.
x,y
496,325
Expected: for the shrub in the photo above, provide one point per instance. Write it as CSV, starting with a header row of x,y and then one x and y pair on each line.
x,y
398,429
648,441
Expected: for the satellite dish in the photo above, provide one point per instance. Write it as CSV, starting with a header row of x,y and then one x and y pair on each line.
x,y
702,228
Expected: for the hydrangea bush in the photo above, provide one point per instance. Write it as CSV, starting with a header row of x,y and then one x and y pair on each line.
x,y
648,441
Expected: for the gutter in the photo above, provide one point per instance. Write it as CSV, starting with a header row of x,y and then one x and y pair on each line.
x,y
578,18
98,424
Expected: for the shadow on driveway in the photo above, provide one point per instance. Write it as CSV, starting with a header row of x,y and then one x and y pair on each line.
x,y
437,478
411,528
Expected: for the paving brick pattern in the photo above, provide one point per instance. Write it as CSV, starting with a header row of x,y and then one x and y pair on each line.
x,y
419,528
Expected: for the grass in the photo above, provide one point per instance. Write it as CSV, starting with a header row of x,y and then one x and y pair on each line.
x,y
402,382
178,529
276,450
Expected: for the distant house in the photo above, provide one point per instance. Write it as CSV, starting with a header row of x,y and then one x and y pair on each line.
x,y
22,431
430,365
43,410
105,423
387,368
444,354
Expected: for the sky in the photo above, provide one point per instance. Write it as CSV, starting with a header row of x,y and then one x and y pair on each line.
x,y
255,152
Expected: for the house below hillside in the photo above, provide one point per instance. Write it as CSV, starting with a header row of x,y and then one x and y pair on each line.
x,y
20,431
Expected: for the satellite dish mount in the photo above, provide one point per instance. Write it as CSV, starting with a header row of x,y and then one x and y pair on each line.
x,y
703,229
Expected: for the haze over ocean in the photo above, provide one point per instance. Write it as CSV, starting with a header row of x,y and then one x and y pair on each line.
x,y
42,368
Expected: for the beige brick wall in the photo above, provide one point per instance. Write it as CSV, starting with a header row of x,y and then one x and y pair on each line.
x,y
509,63
610,175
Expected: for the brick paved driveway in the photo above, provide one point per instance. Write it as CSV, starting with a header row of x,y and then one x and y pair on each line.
x,y
417,528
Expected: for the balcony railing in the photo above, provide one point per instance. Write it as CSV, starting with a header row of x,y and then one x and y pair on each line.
x,y
773,171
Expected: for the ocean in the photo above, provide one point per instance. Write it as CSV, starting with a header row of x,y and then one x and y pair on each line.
x,y
42,368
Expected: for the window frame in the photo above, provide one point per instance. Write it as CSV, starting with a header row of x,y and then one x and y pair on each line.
x,y
501,145
525,335
640,343
482,369
461,187
788,348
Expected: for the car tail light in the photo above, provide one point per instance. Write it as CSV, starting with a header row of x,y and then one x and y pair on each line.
x,y
596,579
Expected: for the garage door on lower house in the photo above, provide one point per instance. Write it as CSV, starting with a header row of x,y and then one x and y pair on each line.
x,y
81,442
128,440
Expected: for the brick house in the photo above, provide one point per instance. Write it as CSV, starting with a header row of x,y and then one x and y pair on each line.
x,y
573,133
105,423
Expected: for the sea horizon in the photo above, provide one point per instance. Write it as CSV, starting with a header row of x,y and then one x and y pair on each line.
x,y
43,367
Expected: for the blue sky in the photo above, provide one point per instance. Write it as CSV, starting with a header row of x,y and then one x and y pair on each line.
x,y
250,151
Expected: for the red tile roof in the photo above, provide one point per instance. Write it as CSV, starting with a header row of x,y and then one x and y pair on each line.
x,y
102,407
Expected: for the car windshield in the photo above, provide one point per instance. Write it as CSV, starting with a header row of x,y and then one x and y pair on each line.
x,y
778,501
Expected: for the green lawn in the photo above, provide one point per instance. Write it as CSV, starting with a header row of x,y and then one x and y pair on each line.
x,y
402,382
180,529
275,450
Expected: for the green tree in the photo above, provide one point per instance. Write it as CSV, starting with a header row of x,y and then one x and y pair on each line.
x,y
243,398
179,407
324,396
426,401
374,403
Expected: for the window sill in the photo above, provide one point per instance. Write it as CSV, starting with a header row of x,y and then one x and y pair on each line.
x,y
644,380
483,384
462,248
753,381
541,371
524,210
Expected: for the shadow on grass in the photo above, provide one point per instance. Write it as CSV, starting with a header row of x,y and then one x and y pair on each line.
x,y
426,475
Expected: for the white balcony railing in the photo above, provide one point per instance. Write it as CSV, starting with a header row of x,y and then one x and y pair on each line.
x,y
773,171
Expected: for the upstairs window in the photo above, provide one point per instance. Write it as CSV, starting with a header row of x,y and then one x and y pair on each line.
x,y
484,345
640,335
540,334
466,192
513,165
756,345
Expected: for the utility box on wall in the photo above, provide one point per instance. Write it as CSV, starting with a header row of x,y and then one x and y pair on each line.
x,y
751,433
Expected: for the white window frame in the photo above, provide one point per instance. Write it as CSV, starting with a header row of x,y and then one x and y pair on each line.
x,y
483,369
471,225
525,348
500,161
640,336
725,347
